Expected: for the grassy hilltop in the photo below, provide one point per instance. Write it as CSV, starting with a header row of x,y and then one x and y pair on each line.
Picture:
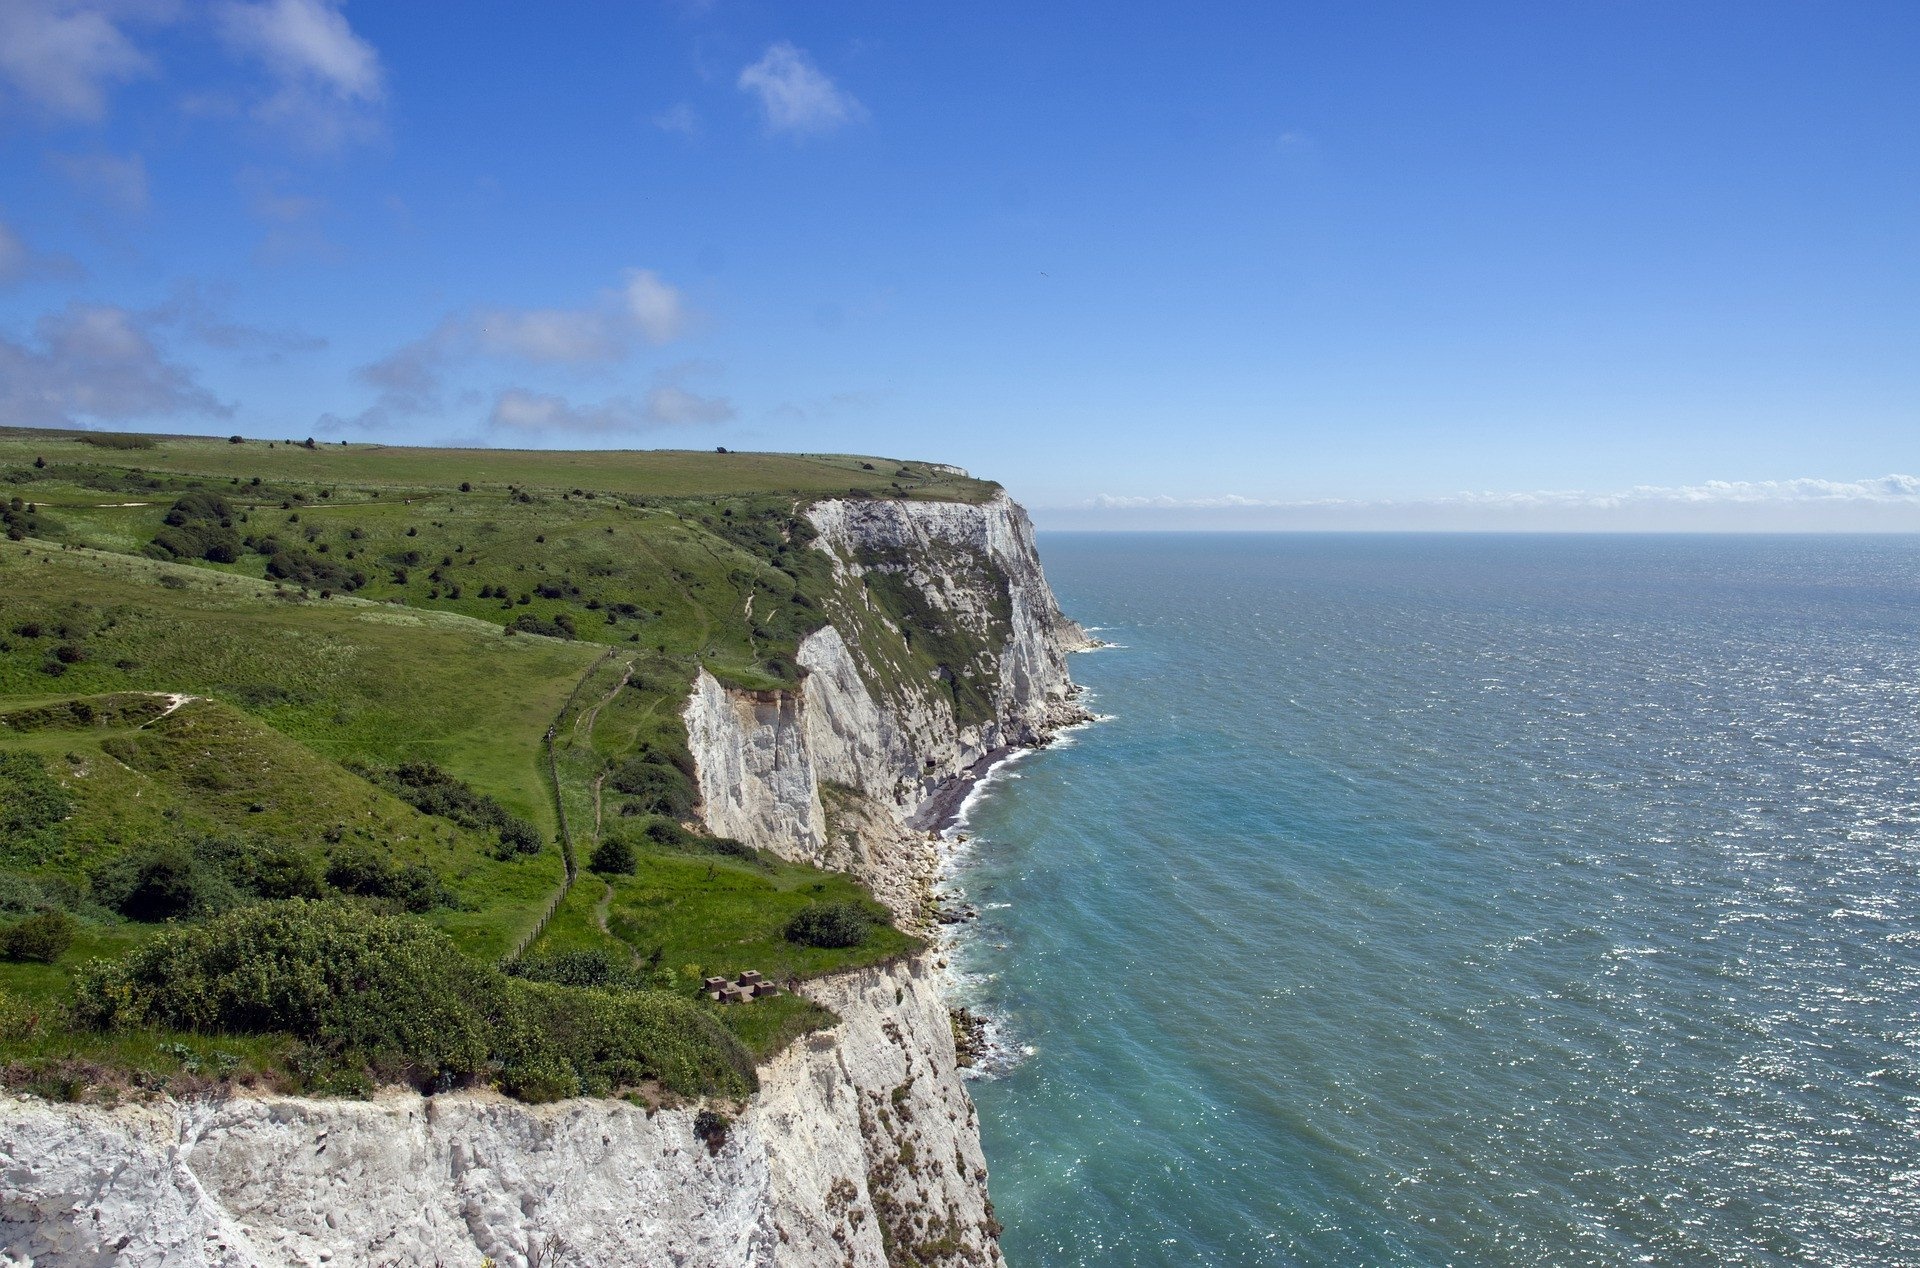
x,y
271,712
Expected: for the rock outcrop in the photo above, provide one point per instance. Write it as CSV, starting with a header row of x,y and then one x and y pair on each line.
x,y
865,727
861,1146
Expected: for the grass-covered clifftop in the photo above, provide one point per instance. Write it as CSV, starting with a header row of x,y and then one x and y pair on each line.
x,y
247,678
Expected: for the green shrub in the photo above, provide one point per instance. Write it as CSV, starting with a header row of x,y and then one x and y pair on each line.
x,y
561,626
394,996
665,832
198,526
433,791
44,937
25,895
365,874
313,571
614,1039
173,880
381,990
274,869
115,440
656,785
613,857
841,924
517,836
589,967
164,881
668,833
32,806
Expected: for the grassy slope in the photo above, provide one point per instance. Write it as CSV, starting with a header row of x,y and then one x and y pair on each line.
x,y
698,561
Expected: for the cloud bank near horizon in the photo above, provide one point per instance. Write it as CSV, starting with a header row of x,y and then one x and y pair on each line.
x,y
1881,503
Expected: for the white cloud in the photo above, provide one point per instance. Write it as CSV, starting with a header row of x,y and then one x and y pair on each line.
x,y
62,56
1898,489
548,335
269,199
1882,503
665,406
199,313
795,95
120,183
669,404
327,79
306,40
643,309
655,308
325,83
95,364
681,118
16,261
21,263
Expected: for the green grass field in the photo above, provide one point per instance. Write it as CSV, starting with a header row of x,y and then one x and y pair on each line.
x,y
216,649
645,472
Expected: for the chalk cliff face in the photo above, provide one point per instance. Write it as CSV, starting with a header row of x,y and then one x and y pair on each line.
x,y
861,1147
867,736
855,1130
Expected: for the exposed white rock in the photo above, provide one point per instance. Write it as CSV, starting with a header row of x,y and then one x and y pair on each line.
x,y
757,782
763,756
1032,688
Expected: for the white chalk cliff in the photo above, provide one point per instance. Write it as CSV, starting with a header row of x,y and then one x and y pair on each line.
x,y
861,1146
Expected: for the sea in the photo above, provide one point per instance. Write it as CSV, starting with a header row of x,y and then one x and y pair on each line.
x,y
1460,899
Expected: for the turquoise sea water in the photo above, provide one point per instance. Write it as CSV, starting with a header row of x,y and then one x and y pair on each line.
x,y
1463,900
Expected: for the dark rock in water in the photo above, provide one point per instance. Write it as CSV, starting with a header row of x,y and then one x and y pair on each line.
x,y
969,1036
955,915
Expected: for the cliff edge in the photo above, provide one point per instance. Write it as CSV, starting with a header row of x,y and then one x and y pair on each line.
x,y
943,647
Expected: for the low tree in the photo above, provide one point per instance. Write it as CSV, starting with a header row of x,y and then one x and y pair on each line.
x,y
43,937
841,924
614,857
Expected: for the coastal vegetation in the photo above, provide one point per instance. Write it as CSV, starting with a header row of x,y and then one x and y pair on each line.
x,y
282,718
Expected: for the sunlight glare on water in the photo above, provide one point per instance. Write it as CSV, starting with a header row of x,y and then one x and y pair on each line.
x,y
1487,900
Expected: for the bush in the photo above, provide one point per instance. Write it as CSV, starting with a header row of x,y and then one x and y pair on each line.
x,y
115,440
273,869
668,833
44,937
613,1039
613,857
591,967
561,626
174,880
29,895
164,881
657,786
842,924
430,790
517,836
367,875
302,568
32,805
381,990
198,526
395,997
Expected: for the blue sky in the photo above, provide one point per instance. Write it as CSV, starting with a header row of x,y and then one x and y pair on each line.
x,y
1579,265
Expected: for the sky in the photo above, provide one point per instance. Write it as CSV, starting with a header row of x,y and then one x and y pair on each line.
x,y
1600,264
